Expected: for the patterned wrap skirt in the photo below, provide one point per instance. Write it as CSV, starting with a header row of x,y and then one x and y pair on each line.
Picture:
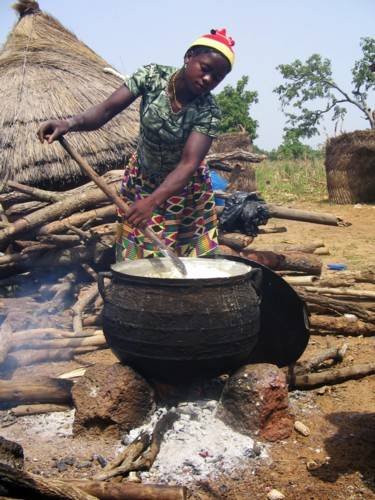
x,y
186,222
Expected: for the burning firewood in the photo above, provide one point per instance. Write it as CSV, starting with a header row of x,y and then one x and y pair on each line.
x,y
141,453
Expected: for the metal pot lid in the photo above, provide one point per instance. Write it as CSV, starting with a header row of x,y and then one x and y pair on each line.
x,y
197,268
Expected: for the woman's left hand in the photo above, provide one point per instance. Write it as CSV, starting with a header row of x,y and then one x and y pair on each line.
x,y
140,212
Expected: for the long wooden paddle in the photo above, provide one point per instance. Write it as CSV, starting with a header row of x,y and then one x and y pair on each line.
x,y
117,200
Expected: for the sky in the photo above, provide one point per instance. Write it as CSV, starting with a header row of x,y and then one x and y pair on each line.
x,y
267,33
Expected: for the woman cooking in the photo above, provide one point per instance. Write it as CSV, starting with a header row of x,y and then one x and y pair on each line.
x,y
166,181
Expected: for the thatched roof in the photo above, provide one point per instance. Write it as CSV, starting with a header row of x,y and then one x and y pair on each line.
x,y
350,167
46,72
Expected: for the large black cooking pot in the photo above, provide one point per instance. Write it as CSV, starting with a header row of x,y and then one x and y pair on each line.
x,y
177,328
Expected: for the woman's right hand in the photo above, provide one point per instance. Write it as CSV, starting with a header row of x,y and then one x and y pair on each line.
x,y
52,130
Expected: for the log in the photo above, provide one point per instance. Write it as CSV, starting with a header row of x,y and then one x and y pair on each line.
x,y
308,248
311,380
21,209
93,320
336,354
131,491
342,292
32,357
60,240
297,261
85,299
23,410
125,461
278,212
301,280
36,193
321,325
35,390
22,336
52,212
146,460
303,216
92,340
327,305
237,241
6,332
78,219
272,230
236,155
20,483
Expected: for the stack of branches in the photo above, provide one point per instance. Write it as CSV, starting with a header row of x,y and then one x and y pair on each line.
x,y
340,304
42,229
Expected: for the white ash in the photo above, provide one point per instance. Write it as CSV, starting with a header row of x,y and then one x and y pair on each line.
x,y
198,446
46,426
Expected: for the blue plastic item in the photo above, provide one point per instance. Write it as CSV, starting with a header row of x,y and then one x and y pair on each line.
x,y
337,267
218,184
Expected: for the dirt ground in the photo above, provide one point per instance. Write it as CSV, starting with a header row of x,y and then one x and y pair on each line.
x,y
340,451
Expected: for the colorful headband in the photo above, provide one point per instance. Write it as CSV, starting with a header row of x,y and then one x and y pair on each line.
x,y
218,39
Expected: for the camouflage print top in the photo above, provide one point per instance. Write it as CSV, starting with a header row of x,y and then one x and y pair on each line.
x,y
163,133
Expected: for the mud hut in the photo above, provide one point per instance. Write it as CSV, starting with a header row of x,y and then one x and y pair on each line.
x,y
47,72
350,167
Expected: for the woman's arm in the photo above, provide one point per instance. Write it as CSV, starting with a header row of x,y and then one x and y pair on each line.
x,y
91,119
196,148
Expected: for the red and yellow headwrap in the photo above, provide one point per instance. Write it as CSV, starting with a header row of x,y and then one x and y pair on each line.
x,y
219,40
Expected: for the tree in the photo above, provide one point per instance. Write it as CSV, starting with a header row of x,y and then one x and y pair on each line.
x,y
293,149
313,79
234,103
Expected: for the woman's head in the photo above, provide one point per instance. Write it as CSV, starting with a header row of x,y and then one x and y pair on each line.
x,y
208,60
216,41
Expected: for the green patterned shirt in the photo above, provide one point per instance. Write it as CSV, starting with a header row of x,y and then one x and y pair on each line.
x,y
163,133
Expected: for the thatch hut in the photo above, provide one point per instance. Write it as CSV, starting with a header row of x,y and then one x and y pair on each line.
x,y
243,176
47,72
350,167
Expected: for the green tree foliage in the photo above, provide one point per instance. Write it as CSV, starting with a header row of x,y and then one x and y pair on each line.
x,y
293,149
234,103
311,80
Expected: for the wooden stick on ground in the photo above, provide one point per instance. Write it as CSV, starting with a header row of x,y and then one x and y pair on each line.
x,y
22,410
32,357
131,491
336,354
35,390
342,292
311,380
327,305
323,325
19,483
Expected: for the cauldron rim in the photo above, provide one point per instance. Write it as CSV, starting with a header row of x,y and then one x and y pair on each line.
x,y
189,282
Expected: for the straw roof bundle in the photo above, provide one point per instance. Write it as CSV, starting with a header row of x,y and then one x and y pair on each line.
x,y
350,167
46,72
243,177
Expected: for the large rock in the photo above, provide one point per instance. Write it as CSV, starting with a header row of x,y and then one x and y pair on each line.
x,y
112,398
255,402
